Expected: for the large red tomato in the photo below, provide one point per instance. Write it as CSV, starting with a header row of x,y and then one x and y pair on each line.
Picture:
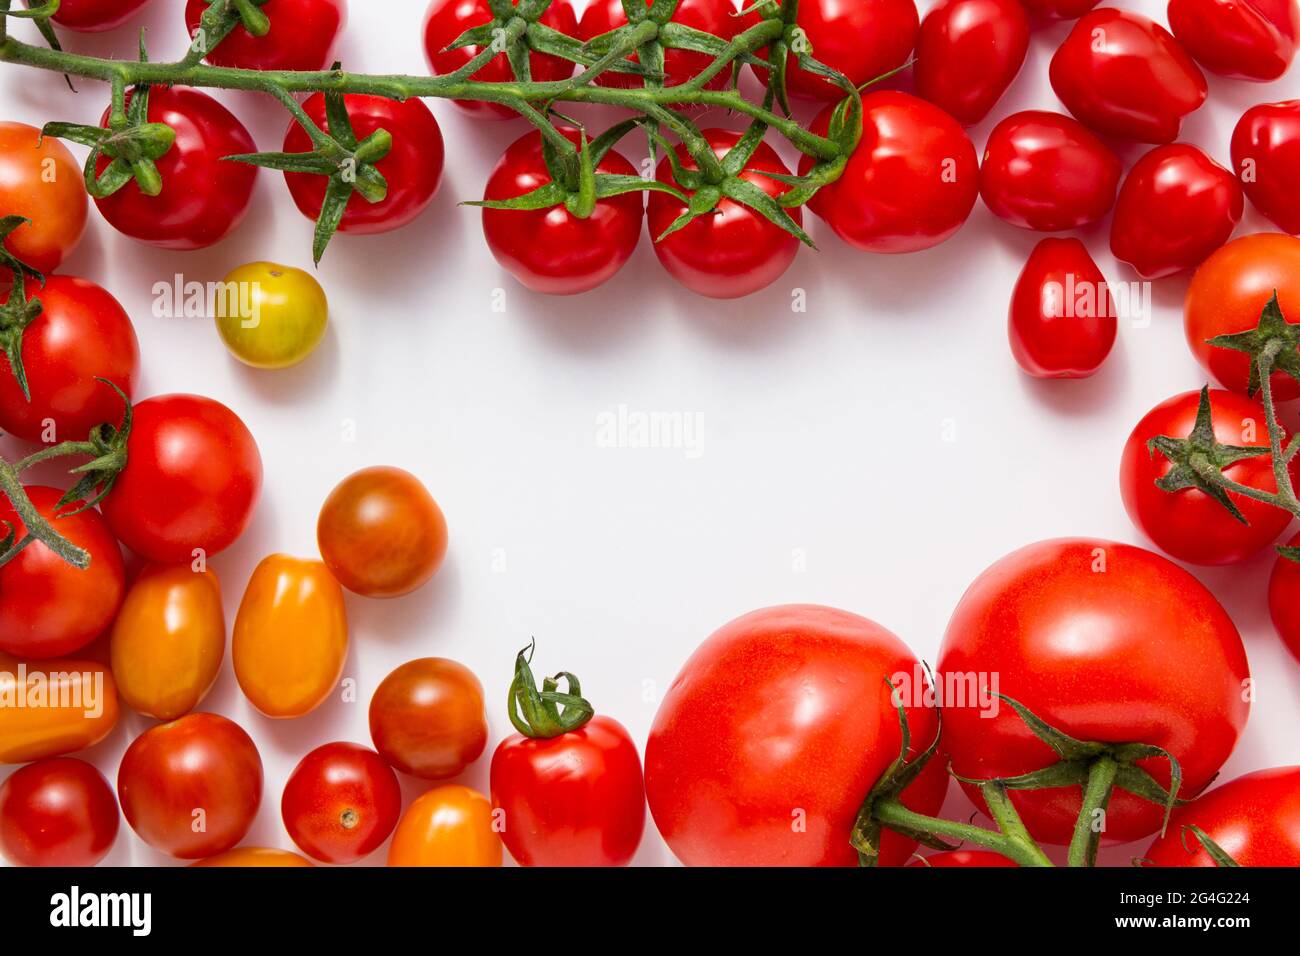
x,y
711,16
1284,599
57,812
1062,321
1246,39
968,53
1265,157
341,802
1255,819
302,36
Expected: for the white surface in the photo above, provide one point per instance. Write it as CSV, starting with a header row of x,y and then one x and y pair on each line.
x,y
822,448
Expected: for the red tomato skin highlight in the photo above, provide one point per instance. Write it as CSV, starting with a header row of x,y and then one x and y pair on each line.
x,y
1255,819
1054,335
330,780
1265,156
57,812
303,36
968,53
1243,39
1284,599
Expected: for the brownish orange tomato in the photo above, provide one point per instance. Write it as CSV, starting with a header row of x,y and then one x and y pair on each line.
x,y
427,718
258,856
53,707
448,826
44,184
291,636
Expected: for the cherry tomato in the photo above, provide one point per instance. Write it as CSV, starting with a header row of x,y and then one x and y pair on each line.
x,y
1265,156
58,812
40,180
203,197
968,52
1125,76
341,802
280,315
192,477
95,16
962,859
1059,9
191,787
412,168
447,826
303,35
1048,172
909,185
1284,599
427,718
67,705
1175,208
712,16
255,856
1062,320
1255,40
1105,642
1255,819
814,680
733,251
291,636
380,533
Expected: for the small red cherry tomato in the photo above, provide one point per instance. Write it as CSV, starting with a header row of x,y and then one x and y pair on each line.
x,y
1059,9
427,718
1284,599
1265,157
1251,40
711,16
57,812
963,858
1255,819
968,53
341,802
1062,320
95,16
302,36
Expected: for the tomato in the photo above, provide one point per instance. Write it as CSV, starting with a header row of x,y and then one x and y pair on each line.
x,y
1062,321
1255,819
341,802
59,707
1048,172
412,168
1284,599
1255,40
40,180
1265,156
968,52
1059,9
203,197
962,859
380,533
712,16
446,20
95,16
168,640
1175,208
1105,642
1125,76
446,826
303,35
909,185
192,478
814,679
191,787
279,316
551,250
58,812
1228,294
255,856
291,636
48,608
732,251
427,718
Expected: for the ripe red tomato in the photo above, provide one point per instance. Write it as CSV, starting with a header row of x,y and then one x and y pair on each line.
x,y
341,802
1105,642
95,16
1175,208
191,787
42,182
1062,320
203,197
909,185
1255,40
1265,156
1284,599
1125,76
968,52
1255,819
413,168
1048,172
303,35
712,16
427,718
962,859
733,251
192,477
814,680
1059,9
57,812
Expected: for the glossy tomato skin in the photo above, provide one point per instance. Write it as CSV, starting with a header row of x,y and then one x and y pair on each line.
x,y
955,859
1105,642
1048,172
814,678
192,478
447,826
1059,9
1175,208
84,713
1255,40
1125,76
1255,819
968,53
573,800
41,181
711,16
412,168
255,856
303,36
95,16
734,251
282,320
57,812
203,197
1284,599
1265,156
909,185
1062,321
341,802
427,718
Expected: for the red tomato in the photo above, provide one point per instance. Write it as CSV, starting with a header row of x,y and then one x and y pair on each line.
x,y
95,16
733,251
909,185
1062,320
1255,819
811,681
413,168
341,802
1251,40
1284,599
1059,9
551,250
1105,642
968,53
191,787
1125,76
1175,208
1265,156
57,812
963,858
712,16
203,197
192,477
1048,172
302,37
48,608
427,718
42,182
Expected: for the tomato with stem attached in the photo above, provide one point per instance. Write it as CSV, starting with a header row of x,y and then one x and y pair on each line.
x,y
1062,320
427,718
1254,40
341,802
302,36
1265,156
57,812
278,317
717,17
968,53
447,826
1254,819
41,181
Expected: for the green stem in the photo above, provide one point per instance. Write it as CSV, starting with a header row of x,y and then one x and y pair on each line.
x,y
37,527
1281,472
1096,798
1015,845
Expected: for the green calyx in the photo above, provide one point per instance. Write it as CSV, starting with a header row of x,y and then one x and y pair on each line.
x,y
548,712
222,17
18,311
1273,342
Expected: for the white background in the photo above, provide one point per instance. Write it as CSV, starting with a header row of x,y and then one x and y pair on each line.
x,y
823,444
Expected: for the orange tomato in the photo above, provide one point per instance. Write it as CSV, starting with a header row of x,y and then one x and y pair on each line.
x,y
427,718
448,826
255,856
291,636
45,184
168,640
53,707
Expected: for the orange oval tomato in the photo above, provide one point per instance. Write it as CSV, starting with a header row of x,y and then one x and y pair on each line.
x,y
258,856
427,718
40,179
291,636
53,707
168,640
448,826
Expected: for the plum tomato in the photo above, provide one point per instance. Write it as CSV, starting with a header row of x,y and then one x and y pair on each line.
x,y
427,718
1284,599
255,856
41,181
968,53
94,16
447,826
1255,819
303,35
57,812
80,708
1062,321
341,802
279,317
1265,156
1255,40
711,16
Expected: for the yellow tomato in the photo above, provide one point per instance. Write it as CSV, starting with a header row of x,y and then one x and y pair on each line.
x,y
448,826
53,707
257,856
291,636
168,640
271,316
